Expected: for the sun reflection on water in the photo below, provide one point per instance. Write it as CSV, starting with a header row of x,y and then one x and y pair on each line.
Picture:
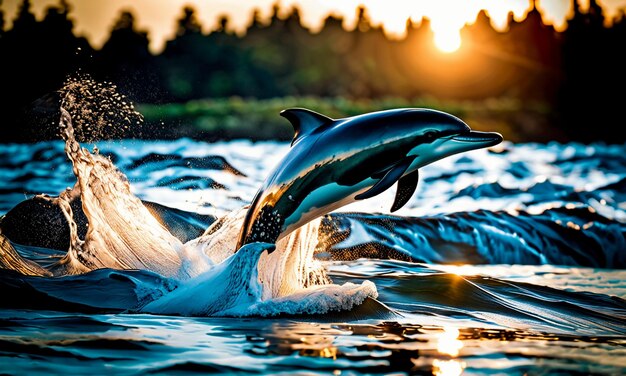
x,y
448,342
448,367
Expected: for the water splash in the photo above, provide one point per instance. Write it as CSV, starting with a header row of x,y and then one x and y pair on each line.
x,y
208,278
122,234
97,109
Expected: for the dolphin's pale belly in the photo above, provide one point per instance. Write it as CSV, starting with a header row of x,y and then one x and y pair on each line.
x,y
323,200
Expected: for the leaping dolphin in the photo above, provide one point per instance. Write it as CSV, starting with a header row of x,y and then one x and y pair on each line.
x,y
334,162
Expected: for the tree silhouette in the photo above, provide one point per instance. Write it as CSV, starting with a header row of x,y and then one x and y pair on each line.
x,y
37,58
57,40
20,44
575,70
19,87
189,23
372,68
592,94
1,20
1,33
180,61
327,55
126,60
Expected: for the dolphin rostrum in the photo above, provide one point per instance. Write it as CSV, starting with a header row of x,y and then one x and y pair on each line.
x,y
334,162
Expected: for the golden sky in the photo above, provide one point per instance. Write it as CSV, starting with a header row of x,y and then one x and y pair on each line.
x,y
94,18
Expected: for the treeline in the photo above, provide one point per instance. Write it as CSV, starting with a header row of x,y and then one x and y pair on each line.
x,y
573,72
257,119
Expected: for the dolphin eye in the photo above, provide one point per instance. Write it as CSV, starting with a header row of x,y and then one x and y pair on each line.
x,y
430,135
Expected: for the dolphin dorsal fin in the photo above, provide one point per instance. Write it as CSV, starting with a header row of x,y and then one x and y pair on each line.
x,y
304,121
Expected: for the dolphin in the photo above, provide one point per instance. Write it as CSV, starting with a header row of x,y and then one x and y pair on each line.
x,y
333,162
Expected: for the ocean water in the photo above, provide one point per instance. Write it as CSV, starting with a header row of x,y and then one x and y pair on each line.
x,y
506,261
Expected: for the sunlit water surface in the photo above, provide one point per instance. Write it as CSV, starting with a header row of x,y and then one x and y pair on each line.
x,y
507,261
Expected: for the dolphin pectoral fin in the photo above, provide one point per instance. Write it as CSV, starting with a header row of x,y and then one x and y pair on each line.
x,y
388,180
406,187
304,121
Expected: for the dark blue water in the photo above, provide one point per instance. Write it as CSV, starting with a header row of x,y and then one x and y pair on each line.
x,y
506,261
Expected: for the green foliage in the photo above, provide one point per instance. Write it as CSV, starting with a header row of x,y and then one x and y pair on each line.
x,y
577,72
230,118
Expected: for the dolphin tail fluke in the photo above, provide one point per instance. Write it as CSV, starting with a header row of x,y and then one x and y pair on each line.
x,y
392,176
406,187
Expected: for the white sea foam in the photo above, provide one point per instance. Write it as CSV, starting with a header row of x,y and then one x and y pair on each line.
x,y
233,288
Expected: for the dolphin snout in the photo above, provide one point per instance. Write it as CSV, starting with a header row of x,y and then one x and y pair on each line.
x,y
479,139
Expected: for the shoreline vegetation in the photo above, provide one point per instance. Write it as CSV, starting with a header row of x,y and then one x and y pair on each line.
x,y
258,119
531,82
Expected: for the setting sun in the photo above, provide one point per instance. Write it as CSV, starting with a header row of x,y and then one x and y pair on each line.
x,y
448,41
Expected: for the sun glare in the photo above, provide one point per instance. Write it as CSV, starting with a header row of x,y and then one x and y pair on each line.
x,y
447,25
447,41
